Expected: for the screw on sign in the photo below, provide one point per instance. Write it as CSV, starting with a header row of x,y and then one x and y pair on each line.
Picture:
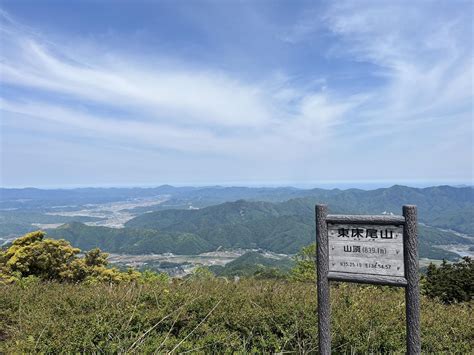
x,y
369,249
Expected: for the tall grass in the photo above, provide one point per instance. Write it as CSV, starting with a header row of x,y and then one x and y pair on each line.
x,y
214,315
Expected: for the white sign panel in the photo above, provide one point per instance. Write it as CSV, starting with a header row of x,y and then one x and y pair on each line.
x,y
366,249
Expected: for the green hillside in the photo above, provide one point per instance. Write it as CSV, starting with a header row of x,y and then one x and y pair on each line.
x,y
442,206
250,263
129,240
266,219
278,227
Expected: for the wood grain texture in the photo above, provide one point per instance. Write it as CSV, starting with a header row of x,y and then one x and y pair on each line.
x,y
412,292
322,268
362,219
367,279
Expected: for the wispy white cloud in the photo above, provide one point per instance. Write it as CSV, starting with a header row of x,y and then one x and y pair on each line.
x,y
171,107
425,57
425,85
186,95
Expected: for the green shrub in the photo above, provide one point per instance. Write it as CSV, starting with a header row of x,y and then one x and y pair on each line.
x,y
451,282
56,260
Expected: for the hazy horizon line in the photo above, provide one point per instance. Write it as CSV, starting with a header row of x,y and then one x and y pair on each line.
x,y
325,184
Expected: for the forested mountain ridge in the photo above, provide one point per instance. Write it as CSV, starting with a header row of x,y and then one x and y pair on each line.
x,y
201,196
430,200
276,219
281,228
130,240
440,206
443,206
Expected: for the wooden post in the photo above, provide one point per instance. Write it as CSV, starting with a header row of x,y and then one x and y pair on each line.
x,y
412,292
322,255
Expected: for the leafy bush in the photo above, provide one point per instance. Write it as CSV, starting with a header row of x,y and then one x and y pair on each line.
x,y
49,259
451,282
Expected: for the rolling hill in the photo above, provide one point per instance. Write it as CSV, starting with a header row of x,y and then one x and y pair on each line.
x,y
279,227
440,206
130,240
275,219
250,263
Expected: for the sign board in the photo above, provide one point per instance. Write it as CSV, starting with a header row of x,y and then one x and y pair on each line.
x,y
368,249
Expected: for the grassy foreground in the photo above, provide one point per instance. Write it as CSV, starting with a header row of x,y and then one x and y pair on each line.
x,y
214,315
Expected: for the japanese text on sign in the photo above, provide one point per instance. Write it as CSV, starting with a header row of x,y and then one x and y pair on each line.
x,y
368,249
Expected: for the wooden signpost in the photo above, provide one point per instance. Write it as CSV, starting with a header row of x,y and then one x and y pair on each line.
x,y
379,249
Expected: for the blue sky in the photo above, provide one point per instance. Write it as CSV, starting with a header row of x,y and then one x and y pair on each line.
x,y
103,93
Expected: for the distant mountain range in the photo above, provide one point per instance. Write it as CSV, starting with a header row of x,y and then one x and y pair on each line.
x,y
442,206
279,220
201,196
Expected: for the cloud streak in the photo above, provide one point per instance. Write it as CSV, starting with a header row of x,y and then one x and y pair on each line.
x,y
173,108
424,83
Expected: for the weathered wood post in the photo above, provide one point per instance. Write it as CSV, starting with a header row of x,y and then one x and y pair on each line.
x,y
412,292
322,257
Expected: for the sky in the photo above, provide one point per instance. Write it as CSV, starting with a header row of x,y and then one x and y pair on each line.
x,y
143,93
